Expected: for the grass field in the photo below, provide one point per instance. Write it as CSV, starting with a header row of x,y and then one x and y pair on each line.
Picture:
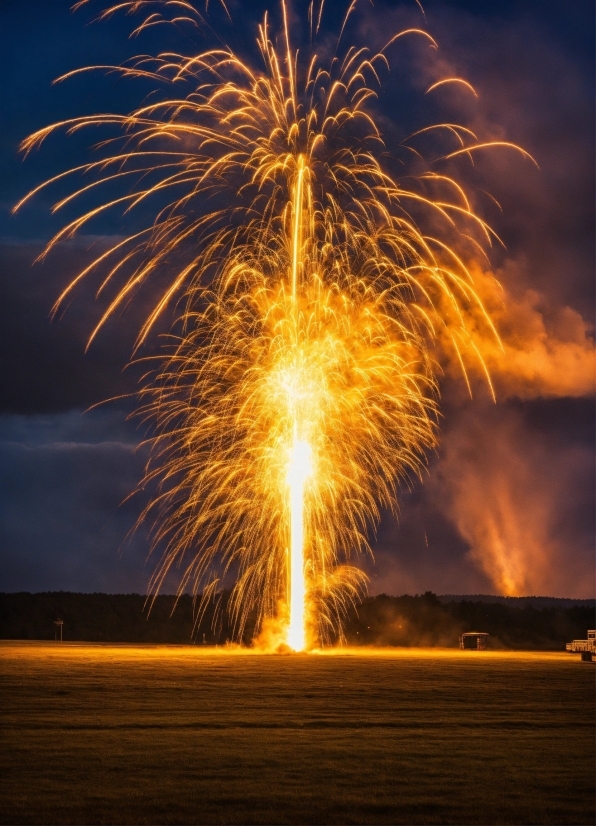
x,y
150,734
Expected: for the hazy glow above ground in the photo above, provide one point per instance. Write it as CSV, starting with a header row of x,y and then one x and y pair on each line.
x,y
106,653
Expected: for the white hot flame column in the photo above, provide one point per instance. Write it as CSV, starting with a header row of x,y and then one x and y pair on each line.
x,y
300,467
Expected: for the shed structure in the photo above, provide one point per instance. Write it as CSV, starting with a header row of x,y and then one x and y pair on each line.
x,y
473,641
587,648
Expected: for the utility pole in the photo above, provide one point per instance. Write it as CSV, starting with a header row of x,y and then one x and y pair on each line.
x,y
58,623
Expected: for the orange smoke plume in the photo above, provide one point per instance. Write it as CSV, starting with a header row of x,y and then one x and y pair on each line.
x,y
541,351
498,482
509,495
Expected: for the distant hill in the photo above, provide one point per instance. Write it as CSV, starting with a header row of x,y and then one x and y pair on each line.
x,y
536,602
421,620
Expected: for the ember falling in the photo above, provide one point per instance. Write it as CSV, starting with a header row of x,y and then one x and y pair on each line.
x,y
299,387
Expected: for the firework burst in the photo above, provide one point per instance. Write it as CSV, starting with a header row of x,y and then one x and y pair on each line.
x,y
300,388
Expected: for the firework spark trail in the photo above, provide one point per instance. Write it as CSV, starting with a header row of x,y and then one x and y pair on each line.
x,y
312,301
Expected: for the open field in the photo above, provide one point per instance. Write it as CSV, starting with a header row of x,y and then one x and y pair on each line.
x,y
146,734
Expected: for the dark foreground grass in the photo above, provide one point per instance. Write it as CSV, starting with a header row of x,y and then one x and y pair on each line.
x,y
110,734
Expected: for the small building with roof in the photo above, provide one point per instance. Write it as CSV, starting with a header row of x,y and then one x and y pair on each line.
x,y
474,641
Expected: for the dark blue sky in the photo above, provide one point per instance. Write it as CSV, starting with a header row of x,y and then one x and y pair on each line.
x,y
63,474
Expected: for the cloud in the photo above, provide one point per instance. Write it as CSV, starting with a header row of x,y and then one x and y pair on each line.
x,y
46,368
64,520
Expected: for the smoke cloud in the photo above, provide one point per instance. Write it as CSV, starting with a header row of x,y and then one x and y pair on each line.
x,y
542,350
513,498
500,482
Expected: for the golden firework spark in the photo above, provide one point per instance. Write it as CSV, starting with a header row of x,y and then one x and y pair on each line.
x,y
301,389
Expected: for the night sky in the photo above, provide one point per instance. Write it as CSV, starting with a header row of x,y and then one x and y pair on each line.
x,y
511,481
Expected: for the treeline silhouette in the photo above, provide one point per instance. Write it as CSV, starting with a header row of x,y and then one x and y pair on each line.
x,y
115,618
382,620
426,620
